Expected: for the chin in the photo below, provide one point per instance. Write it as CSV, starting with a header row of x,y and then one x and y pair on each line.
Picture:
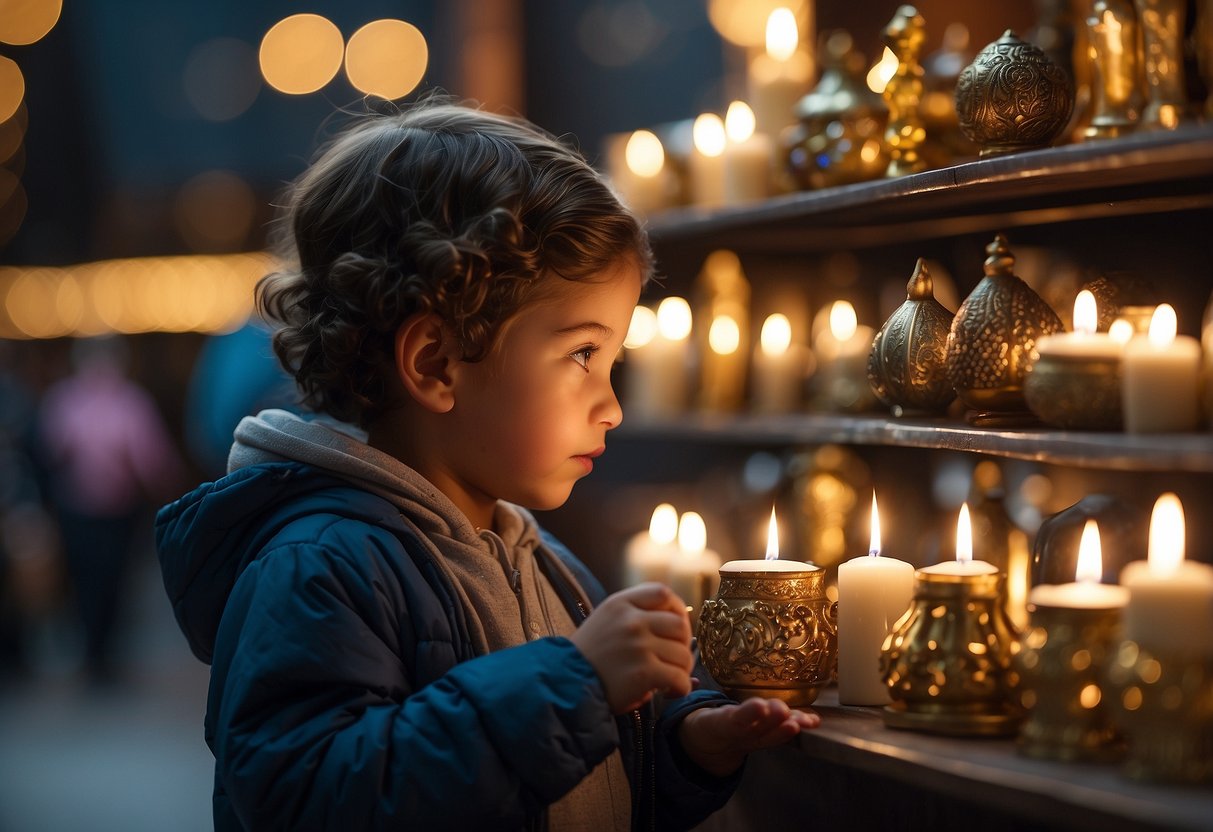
x,y
546,501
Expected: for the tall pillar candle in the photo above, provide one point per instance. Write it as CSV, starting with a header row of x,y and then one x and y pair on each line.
x,y
656,361
1161,378
648,554
705,168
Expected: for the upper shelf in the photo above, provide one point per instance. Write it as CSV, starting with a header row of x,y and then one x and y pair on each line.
x,y
1103,451
1078,181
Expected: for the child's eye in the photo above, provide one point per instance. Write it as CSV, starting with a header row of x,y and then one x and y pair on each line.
x,y
582,357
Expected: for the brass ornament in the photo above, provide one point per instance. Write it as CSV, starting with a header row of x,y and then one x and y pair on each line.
x,y
907,367
1075,392
770,634
1012,97
904,134
1162,34
1068,706
947,661
992,338
1112,33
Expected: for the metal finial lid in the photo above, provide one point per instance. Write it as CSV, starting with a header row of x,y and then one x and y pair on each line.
x,y
920,287
999,259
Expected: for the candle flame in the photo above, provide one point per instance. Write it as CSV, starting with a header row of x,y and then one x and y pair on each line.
x,y
708,134
663,527
1166,550
692,534
739,122
783,36
776,336
772,538
642,329
644,154
1163,326
874,548
1086,315
843,322
1121,331
882,72
1090,555
674,318
964,536
724,335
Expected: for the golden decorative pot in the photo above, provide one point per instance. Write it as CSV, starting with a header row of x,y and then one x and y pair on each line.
x,y
771,634
1075,392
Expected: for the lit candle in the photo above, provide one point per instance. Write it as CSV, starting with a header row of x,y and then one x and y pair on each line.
x,y
873,592
1084,341
1086,591
648,554
656,359
842,352
694,566
1170,609
964,563
724,364
781,75
706,166
637,169
772,561
1161,378
747,157
778,367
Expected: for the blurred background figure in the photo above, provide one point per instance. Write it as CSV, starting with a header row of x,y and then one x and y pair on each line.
x,y
109,462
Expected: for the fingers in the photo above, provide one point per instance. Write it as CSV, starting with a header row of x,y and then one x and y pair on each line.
x,y
654,596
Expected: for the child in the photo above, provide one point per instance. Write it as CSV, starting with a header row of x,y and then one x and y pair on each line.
x,y
394,642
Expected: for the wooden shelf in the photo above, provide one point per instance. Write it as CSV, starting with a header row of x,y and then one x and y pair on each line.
x,y
1058,184
1105,451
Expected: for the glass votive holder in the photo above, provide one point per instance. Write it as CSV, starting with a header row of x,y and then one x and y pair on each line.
x,y
1061,660
947,661
1165,709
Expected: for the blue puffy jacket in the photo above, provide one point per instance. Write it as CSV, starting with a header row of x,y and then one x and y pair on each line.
x,y
344,689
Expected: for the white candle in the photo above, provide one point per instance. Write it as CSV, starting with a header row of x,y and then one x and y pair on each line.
x,y
1170,607
873,592
842,353
648,554
778,367
747,157
656,360
706,165
637,169
772,561
724,364
779,76
964,564
694,566
1084,341
1161,378
1085,592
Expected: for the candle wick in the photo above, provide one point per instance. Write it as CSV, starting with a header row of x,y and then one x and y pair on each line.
x,y
873,553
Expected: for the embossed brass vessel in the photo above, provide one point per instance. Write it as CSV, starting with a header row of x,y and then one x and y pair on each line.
x,y
1012,97
947,661
1075,392
771,634
1112,33
904,134
907,367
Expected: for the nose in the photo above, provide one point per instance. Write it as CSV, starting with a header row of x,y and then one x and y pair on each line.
x,y
609,412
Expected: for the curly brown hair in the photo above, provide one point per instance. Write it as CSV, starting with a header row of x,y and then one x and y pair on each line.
x,y
439,208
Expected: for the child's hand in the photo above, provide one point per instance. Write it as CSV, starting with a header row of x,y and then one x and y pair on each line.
x,y
639,641
718,739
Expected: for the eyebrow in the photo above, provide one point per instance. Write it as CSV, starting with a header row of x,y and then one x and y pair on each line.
x,y
593,327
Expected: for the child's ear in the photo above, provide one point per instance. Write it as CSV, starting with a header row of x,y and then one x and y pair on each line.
x,y
425,357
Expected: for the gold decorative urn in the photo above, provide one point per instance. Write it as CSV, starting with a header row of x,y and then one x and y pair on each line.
x,y
907,367
772,634
1012,97
992,339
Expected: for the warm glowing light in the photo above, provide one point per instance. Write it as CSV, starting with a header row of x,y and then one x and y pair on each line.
x,y
1090,555
1086,315
215,210
12,88
644,154
874,546
843,321
692,534
772,537
663,527
724,336
782,35
883,71
964,535
744,22
1163,326
642,329
708,134
1121,331
674,318
1167,534
739,122
776,335
23,22
301,53
387,58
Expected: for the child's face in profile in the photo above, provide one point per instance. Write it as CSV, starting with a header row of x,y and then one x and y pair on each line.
x,y
535,412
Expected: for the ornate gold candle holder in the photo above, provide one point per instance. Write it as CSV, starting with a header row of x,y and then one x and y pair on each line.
x,y
771,634
1075,392
1060,662
947,661
1165,709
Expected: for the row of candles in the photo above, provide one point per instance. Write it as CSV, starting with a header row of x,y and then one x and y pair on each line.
x,y
1160,615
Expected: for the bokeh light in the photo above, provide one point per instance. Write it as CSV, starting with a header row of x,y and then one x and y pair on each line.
x,y
214,211
301,53
744,22
387,58
12,133
23,22
12,88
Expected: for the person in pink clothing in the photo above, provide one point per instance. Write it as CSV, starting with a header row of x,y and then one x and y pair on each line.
x,y
109,458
